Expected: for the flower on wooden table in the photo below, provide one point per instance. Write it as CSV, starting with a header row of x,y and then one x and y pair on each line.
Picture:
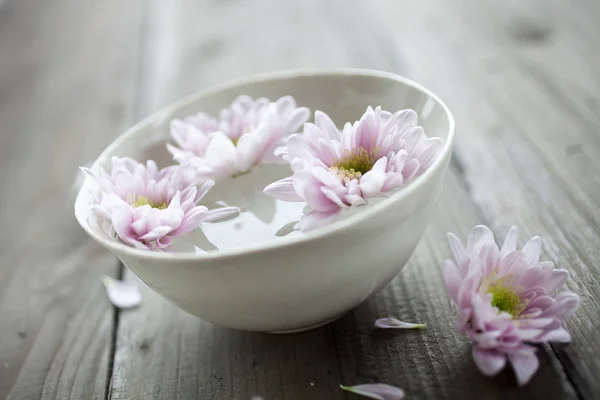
x,y
506,300
146,207
334,169
244,135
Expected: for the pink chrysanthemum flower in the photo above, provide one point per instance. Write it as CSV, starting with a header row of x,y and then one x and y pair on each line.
x,y
336,169
146,207
244,136
505,300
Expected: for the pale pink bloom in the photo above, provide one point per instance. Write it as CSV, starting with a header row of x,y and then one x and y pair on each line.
x,y
336,169
244,135
146,207
506,300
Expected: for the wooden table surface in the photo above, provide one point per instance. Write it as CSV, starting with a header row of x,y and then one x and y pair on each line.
x,y
521,76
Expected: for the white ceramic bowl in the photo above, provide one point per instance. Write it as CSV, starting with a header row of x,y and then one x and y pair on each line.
x,y
299,281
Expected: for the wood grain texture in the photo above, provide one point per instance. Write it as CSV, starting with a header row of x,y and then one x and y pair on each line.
x,y
522,80
65,92
163,353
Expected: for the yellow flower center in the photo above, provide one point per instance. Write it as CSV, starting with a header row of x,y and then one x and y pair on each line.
x,y
505,299
354,163
143,200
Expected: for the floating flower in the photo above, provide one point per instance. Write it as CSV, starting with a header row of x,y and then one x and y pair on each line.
x,y
245,135
505,300
336,169
146,207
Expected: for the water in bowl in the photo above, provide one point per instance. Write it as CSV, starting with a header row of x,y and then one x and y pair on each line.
x,y
262,218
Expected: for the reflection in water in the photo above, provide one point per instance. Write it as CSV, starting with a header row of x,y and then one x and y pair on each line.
x,y
286,229
246,191
195,242
262,218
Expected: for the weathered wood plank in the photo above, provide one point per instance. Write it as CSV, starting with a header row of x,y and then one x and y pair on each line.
x,y
164,353
529,133
65,91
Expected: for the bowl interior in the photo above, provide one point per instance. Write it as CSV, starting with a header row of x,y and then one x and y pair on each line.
x,y
343,95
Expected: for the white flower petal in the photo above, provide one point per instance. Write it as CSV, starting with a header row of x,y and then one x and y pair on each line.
x,y
489,362
532,250
248,151
333,196
524,366
479,236
557,335
355,200
220,213
510,242
283,190
393,323
378,391
221,152
122,294
372,182
327,125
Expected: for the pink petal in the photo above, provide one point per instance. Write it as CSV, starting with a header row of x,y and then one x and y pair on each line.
x,y
532,322
192,220
532,250
355,200
204,188
372,182
460,255
296,119
283,190
393,323
122,294
524,366
557,279
427,157
327,125
121,221
515,261
479,236
489,362
527,334
326,177
310,189
557,335
156,233
410,169
249,150
566,304
331,195
378,391
220,213
452,278
220,151
510,241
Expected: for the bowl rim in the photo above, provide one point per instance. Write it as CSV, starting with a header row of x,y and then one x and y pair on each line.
x,y
284,242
